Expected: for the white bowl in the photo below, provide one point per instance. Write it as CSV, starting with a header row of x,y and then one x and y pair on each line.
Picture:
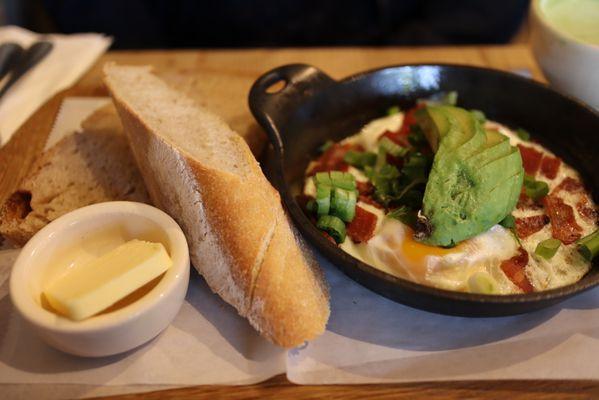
x,y
570,65
74,238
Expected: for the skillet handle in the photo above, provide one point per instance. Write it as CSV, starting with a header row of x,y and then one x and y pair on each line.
x,y
271,107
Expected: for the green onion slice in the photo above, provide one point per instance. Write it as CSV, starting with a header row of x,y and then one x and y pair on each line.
x,y
535,189
343,180
323,199
588,246
359,159
547,248
482,282
343,204
392,148
333,226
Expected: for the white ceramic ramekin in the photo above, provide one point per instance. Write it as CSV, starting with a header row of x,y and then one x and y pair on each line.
x,y
570,65
63,241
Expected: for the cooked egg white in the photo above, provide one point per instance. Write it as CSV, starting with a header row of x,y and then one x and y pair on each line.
x,y
394,250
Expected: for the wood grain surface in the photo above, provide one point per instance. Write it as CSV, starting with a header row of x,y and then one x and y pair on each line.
x,y
221,81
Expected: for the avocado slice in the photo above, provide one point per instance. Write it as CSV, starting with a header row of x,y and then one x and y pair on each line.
x,y
475,179
497,145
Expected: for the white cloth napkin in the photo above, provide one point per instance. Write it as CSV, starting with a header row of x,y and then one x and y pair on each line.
x,y
71,56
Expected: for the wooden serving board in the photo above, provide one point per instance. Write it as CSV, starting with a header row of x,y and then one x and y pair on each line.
x,y
221,80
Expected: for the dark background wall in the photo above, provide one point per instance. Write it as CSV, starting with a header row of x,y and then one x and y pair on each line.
x,y
244,23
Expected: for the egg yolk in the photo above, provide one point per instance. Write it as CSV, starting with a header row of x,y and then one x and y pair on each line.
x,y
415,252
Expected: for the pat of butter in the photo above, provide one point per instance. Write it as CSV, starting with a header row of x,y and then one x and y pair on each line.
x,y
89,288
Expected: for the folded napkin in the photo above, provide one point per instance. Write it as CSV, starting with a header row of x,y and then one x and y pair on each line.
x,y
71,56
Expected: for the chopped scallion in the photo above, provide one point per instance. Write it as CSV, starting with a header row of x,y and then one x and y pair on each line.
x,y
323,199
322,178
588,246
547,248
392,148
535,189
359,159
333,226
381,158
343,204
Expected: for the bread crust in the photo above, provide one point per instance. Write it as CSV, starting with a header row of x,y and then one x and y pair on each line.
x,y
239,237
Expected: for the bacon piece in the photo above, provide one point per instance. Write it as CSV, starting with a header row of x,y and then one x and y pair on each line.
x,y
529,225
563,223
362,227
550,166
569,184
332,159
531,159
410,119
585,209
514,270
365,188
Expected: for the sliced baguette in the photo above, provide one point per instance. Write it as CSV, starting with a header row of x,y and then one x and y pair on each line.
x,y
87,167
205,176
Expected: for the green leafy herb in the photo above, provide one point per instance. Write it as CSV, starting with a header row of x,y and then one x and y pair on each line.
x,y
416,137
523,134
534,189
359,159
392,148
547,248
405,215
588,246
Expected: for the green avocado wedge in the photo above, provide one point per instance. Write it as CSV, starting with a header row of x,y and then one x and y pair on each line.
x,y
475,179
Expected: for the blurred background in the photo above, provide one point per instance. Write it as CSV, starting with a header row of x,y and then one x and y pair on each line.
x,y
269,23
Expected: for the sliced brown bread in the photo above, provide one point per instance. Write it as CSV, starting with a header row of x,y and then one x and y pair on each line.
x,y
204,175
87,167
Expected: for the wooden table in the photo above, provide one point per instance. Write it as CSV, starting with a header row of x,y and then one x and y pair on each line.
x,y
230,74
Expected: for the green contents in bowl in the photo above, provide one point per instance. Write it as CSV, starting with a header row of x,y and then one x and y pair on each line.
x,y
578,18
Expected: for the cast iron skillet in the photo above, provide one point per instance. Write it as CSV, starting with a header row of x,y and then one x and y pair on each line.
x,y
312,108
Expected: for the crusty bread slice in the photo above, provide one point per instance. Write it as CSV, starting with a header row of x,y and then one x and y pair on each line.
x,y
205,176
87,167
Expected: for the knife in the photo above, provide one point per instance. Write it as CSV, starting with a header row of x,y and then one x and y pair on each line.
x,y
9,55
29,59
